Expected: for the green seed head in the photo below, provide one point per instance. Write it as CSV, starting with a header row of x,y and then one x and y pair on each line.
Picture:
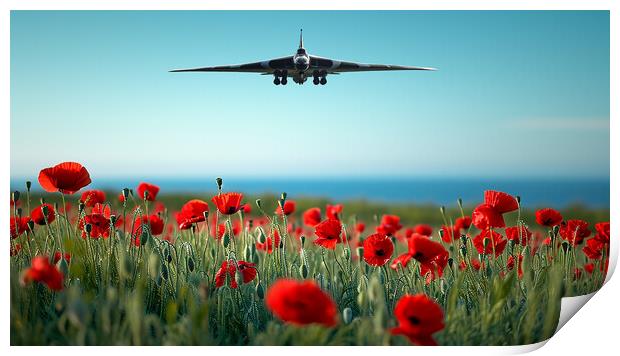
x,y
260,293
219,182
28,185
16,196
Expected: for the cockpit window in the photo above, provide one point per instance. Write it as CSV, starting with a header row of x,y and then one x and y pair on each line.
x,y
301,51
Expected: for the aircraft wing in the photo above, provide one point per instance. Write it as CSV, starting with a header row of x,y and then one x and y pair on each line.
x,y
265,67
336,66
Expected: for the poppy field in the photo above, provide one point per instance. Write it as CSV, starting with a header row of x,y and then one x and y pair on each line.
x,y
90,267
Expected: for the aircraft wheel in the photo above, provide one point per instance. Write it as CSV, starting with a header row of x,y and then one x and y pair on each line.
x,y
284,81
315,81
323,81
276,81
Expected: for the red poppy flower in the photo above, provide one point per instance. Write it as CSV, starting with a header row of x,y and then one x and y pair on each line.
x,y
247,208
474,263
92,197
462,223
602,232
378,249
301,303
593,248
121,197
152,190
333,211
390,224
423,229
328,233
228,203
247,270
402,260
419,317
485,216
42,271
19,226
360,227
589,267
548,217
191,213
58,255
154,222
510,264
450,235
270,243
519,234
496,242
289,208
500,201
312,217
66,177
574,231
41,219
424,249
100,226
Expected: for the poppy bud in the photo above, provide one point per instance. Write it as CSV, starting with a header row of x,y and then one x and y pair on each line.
x,y
19,212
28,185
88,228
347,254
260,293
45,210
459,201
226,240
154,266
239,277
261,234
164,271
146,195
63,266
16,196
30,225
464,239
360,252
281,244
112,220
518,198
565,246
81,207
463,251
144,237
219,182
556,229
190,264
303,240
125,193
206,214
258,203
347,315
485,242
450,262
489,270
442,210
303,270
42,200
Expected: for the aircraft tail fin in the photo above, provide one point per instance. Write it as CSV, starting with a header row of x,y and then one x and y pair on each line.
x,y
301,38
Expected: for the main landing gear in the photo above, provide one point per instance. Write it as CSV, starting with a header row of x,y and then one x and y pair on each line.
x,y
319,77
280,77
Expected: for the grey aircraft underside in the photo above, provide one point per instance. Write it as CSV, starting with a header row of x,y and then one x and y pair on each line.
x,y
301,66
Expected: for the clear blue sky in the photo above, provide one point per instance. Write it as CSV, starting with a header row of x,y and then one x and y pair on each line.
x,y
517,94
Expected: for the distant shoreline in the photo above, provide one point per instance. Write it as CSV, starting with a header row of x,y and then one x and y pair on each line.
x,y
589,192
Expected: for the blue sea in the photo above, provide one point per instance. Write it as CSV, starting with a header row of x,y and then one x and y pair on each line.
x,y
534,193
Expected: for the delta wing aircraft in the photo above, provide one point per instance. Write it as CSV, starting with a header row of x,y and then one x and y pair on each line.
x,y
301,66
